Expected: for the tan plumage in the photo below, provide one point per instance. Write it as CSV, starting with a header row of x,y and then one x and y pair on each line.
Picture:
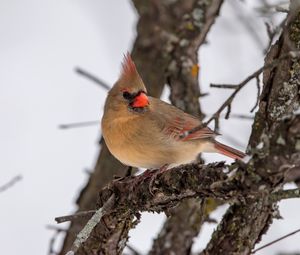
x,y
143,131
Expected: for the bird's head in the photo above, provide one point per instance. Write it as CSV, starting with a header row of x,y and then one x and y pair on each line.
x,y
129,92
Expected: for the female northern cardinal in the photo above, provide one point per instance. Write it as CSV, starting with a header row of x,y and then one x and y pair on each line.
x,y
143,131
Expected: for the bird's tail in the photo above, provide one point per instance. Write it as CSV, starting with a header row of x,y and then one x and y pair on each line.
x,y
228,151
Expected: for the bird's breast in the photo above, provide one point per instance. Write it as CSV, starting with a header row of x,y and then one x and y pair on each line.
x,y
141,144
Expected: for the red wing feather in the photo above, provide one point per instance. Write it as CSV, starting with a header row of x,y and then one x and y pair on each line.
x,y
181,125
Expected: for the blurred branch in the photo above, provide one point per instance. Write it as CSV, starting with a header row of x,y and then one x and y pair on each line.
x,y
276,241
10,183
92,77
79,124
133,250
52,241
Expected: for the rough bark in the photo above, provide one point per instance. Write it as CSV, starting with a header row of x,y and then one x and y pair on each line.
x,y
240,230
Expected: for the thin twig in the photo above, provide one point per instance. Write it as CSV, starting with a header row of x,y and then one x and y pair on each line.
x,y
10,183
86,231
223,86
75,216
93,78
272,32
56,228
133,250
275,241
258,94
79,124
240,116
53,238
227,103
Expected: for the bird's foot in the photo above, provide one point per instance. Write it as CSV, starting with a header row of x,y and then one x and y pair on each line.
x,y
142,177
154,177
128,171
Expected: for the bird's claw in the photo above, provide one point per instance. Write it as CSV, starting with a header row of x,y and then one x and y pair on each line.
x,y
154,177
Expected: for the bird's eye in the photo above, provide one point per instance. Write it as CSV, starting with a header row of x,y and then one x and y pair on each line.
x,y
126,95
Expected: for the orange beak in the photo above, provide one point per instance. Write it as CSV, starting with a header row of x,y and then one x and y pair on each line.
x,y
140,100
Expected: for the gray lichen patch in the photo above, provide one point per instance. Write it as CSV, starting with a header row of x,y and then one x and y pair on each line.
x,y
198,14
280,140
288,96
297,145
294,31
198,17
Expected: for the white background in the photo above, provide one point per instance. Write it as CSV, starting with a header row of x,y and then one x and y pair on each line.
x,y
41,42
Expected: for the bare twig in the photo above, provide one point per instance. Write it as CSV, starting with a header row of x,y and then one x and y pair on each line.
x,y
53,238
227,104
86,231
71,217
223,86
240,116
93,78
133,250
79,124
273,32
258,94
275,241
11,183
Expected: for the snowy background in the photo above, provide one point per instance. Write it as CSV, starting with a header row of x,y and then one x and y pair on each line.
x,y
41,43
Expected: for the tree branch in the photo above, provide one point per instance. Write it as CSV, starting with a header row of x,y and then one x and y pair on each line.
x,y
93,78
10,183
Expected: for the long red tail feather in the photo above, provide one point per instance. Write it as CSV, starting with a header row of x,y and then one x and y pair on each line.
x,y
229,151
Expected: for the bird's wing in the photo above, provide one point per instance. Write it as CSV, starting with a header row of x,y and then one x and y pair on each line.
x,y
179,127
175,123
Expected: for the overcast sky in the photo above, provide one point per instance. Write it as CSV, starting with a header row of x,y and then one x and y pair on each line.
x,y
41,43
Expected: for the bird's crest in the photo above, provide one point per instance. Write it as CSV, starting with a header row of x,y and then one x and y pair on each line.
x,y
130,78
128,67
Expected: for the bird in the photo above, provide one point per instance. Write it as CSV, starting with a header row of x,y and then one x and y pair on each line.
x,y
145,132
